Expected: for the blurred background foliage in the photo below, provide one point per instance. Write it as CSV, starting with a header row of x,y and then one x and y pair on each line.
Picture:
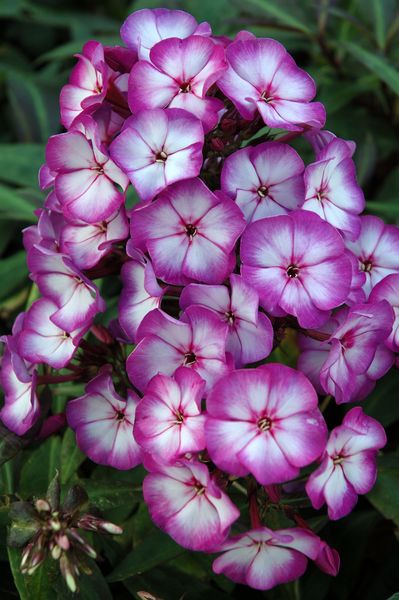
x,y
351,49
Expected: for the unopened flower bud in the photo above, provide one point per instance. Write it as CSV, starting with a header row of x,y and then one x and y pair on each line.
x,y
42,505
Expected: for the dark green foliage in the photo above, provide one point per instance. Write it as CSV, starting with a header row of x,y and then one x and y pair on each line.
x,y
351,48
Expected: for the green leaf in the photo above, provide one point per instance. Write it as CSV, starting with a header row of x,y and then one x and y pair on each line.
x,y
31,587
20,163
379,22
375,63
280,13
71,456
10,444
385,494
106,494
157,548
13,273
40,467
379,404
27,101
13,207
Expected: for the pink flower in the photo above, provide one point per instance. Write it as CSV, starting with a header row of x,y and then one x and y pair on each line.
x,y
87,85
164,344
140,294
179,75
263,77
184,501
169,422
328,559
145,28
352,349
103,423
85,175
77,299
356,293
87,243
388,289
189,233
264,421
297,263
265,180
319,139
18,381
377,250
47,232
42,341
332,191
263,558
250,334
348,467
159,147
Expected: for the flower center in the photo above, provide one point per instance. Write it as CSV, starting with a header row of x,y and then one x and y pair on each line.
x,y
185,88
337,460
263,191
179,417
103,226
230,317
189,359
265,97
200,489
161,157
366,266
119,415
264,424
190,230
293,271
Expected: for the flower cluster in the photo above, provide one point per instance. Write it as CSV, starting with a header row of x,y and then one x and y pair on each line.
x,y
233,244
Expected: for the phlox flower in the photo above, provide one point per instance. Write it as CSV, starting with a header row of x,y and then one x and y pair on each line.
x,y
264,421
169,422
348,363
88,243
145,28
179,75
42,341
265,180
331,189
159,147
348,465
18,381
263,558
197,341
85,175
297,264
77,299
103,422
189,233
184,500
388,289
250,334
377,250
320,138
141,293
263,77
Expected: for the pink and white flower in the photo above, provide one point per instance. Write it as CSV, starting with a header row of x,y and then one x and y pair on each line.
x,y
77,299
264,180
263,558
331,189
297,264
189,232
42,341
388,289
328,559
145,28
85,175
18,381
348,466
87,243
141,293
159,147
377,250
169,422
184,501
87,85
264,421
263,77
179,75
103,422
164,344
250,334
